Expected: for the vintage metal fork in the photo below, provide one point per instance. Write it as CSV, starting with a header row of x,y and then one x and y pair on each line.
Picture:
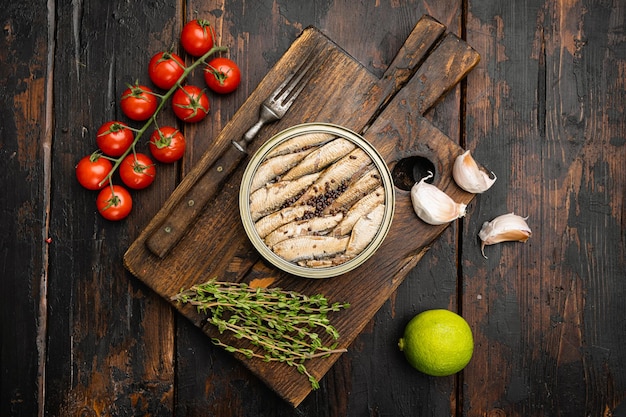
x,y
277,104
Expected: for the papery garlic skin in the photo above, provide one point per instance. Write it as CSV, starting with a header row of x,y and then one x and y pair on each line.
x,y
433,205
468,175
505,228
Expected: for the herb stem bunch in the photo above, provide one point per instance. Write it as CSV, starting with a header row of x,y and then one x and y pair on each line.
x,y
283,324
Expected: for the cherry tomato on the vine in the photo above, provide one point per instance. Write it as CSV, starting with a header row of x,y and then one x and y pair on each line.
x,y
138,102
92,170
137,171
165,68
190,103
167,144
114,138
222,75
197,37
114,202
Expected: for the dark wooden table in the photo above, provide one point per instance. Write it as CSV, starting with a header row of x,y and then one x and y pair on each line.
x,y
544,109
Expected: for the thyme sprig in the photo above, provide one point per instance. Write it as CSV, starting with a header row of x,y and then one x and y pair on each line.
x,y
283,324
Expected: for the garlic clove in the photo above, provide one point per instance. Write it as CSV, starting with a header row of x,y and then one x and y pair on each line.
x,y
433,205
468,175
505,228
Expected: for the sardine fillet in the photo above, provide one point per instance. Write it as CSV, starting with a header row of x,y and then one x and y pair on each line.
x,y
356,191
267,199
341,171
273,167
310,247
313,226
300,142
273,221
365,230
326,262
320,158
363,207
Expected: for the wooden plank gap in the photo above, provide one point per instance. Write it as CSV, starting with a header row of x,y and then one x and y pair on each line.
x,y
42,318
541,87
459,378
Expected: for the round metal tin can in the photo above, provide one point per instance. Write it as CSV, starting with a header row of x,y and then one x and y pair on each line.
x,y
249,223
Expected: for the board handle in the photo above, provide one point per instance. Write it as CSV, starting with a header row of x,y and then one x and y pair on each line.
x,y
445,67
424,37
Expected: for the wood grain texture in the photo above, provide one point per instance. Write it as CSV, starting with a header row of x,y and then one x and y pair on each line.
x,y
546,111
113,350
25,146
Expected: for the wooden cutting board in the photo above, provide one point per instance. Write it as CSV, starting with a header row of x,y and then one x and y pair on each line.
x,y
389,111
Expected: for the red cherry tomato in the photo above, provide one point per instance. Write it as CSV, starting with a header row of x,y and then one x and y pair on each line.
x,y
92,170
114,202
137,171
138,102
114,138
190,104
167,144
165,68
197,37
222,75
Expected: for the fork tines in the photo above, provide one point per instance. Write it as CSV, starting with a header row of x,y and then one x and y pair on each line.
x,y
276,105
289,90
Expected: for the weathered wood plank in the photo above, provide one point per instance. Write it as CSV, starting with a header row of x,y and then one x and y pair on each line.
x,y
24,201
111,344
545,112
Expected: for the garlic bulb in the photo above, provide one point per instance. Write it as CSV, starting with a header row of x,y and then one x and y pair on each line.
x,y
507,227
433,205
469,176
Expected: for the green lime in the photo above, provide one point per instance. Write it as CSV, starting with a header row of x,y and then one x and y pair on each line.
x,y
437,342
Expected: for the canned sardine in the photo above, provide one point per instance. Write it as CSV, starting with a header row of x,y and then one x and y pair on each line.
x,y
317,200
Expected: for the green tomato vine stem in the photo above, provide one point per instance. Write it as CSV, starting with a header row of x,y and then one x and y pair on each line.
x,y
163,100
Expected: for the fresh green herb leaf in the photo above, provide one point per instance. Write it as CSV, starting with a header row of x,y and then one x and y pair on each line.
x,y
282,324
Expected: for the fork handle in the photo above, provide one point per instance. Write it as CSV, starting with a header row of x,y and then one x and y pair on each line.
x,y
265,116
192,204
251,133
